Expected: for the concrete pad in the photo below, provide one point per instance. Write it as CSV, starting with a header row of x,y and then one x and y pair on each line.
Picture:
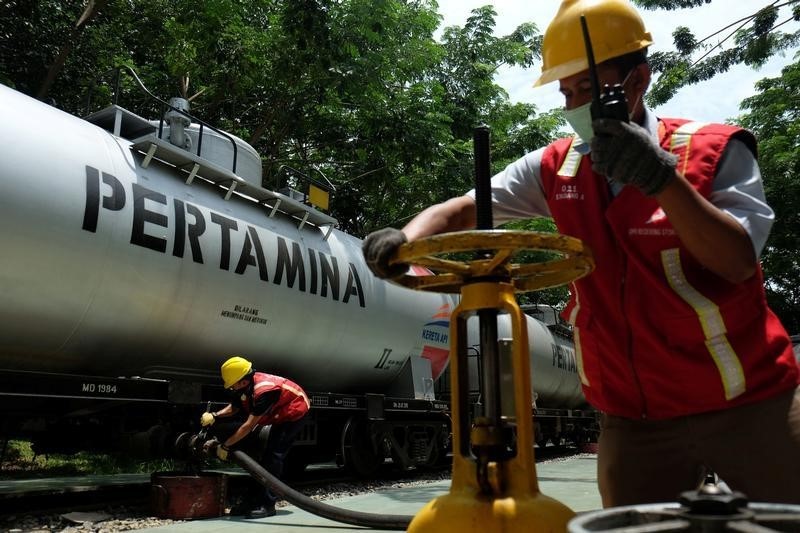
x,y
572,481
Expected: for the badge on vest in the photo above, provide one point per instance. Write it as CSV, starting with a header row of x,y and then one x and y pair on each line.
x,y
569,192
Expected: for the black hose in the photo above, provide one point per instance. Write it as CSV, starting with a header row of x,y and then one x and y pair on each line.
x,y
337,514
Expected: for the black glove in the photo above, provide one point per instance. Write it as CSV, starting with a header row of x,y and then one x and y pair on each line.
x,y
625,152
378,248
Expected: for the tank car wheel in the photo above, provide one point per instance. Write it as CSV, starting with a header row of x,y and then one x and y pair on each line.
x,y
360,455
438,459
500,246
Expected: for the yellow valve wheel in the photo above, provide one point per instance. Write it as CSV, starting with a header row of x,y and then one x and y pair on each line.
x,y
500,246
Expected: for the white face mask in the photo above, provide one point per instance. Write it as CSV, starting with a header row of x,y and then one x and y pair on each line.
x,y
580,118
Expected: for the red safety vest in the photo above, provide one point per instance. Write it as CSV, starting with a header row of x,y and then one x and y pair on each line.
x,y
293,404
657,335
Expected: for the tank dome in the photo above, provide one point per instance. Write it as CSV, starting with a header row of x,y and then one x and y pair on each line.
x,y
218,149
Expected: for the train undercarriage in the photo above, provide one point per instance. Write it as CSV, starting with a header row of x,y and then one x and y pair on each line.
x,y
64,413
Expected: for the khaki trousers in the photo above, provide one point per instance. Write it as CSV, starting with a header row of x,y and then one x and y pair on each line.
x,y
754,449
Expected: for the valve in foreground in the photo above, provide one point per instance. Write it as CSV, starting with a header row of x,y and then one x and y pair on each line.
x,y
494,485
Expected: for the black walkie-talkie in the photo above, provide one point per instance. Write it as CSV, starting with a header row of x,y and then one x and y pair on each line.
x,y
611,102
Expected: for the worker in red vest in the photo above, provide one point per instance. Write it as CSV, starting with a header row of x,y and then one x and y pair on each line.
x,y
266,400
675,343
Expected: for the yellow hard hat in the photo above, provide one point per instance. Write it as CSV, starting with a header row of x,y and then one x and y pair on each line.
x,y
615,29
234,369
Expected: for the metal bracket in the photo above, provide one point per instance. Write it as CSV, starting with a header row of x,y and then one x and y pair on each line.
x,y
231,189
117,122
303,220
193,173
150,153
275,208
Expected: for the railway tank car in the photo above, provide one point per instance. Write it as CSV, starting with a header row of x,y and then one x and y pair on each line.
x,y
138,254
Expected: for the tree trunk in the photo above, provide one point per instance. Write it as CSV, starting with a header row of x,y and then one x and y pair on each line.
x,y
91,9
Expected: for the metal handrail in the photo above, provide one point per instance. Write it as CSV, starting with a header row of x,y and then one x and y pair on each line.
x,y
191,118
327,186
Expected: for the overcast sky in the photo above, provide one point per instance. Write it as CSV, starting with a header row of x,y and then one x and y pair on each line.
x,y
713,100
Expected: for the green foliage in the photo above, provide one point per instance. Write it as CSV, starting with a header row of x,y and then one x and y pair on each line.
x,y
556,296
20,462
357,90
751,41
671,4
774,116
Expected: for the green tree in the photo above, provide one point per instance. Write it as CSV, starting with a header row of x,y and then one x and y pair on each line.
x,y
770,29
32,39
468,96
774,116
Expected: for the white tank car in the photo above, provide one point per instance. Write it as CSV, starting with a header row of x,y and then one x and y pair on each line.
x,y
114,269
554,370
127,256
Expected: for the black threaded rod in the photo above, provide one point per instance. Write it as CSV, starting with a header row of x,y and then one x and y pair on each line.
x,y
483,188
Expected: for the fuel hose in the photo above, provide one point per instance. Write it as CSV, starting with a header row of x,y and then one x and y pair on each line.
x,y
337,514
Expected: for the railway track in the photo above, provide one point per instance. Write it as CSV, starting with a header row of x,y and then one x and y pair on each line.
x,y
124,500
130,494
86,493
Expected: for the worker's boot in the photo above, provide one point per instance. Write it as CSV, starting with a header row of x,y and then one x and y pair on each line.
x,y
262,511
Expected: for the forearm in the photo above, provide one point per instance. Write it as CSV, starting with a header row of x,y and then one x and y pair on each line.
x,y
241,433
455,214
713,237
225,412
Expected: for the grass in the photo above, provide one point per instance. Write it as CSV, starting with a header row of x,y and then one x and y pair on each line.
x,y
20,462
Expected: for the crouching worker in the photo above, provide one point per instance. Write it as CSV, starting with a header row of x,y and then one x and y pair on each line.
x,y
267,400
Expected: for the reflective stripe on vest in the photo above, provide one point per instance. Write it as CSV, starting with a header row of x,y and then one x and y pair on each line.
x,y
569,167
284,386
680,142
297,393
716,340
262,384
576,333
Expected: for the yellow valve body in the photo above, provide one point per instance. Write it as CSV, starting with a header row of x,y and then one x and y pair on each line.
x,y
466,511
